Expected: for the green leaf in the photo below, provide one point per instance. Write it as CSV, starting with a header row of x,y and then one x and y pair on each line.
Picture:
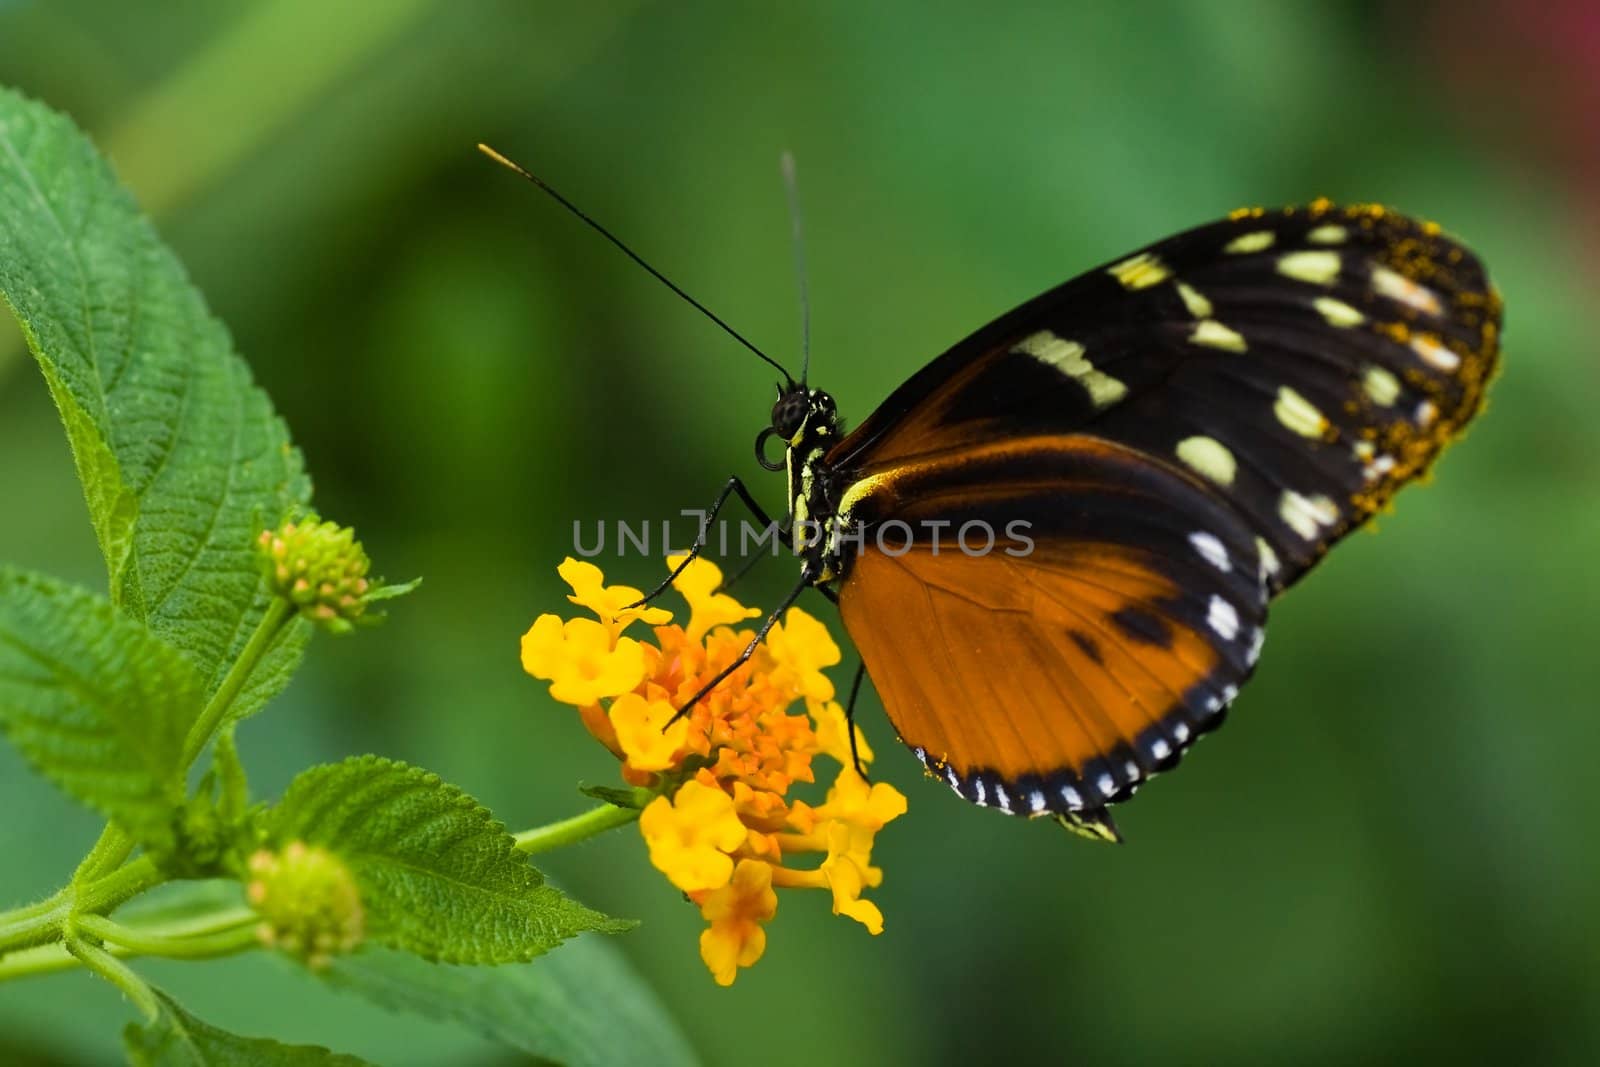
x,y
183,461
95,702
439,877
178,1039
583,1006
635,799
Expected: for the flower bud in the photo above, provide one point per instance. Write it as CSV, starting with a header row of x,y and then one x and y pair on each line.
x,y
320,568
308,901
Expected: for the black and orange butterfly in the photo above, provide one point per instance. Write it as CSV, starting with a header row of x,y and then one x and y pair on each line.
x,y
1150,453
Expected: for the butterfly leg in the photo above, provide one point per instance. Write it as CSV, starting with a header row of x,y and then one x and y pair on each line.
x,y
749,565
806,579
734,485
850,719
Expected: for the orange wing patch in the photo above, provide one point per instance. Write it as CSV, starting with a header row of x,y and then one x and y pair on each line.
x,y
1054,683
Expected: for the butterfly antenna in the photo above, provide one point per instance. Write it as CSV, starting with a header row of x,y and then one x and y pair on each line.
x,y
631,254
792,187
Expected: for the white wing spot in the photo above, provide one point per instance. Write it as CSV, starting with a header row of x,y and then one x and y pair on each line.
x,y
1257,639
1250,242
1180,732
1140,271
1229,692
1400,288
1160,749
1002,798
1209,457
1382,387
1435,354
1299,414
1318,268
921,754
1036,801
1068,358
1213,334
1328,235
1427,411
1306,515
1222,617
1211,550
1377,468
1106,784
1070,795
1195,301
1337,312
950,776
983,794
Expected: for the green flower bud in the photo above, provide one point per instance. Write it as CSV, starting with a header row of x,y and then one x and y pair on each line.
x,y
319,567
308,901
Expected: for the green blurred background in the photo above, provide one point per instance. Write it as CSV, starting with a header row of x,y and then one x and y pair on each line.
x,y
1388,852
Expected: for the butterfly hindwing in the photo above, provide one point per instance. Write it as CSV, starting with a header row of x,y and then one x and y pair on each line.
x,y
1109,624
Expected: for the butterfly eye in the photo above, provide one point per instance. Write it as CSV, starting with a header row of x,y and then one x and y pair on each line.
x,y
789,412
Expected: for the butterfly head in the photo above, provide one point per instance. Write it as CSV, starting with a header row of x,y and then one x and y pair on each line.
x,y
799,412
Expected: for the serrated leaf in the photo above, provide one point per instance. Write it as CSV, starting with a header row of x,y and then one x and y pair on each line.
x,y
583,1006
183,461
178,1039
95,702
439,877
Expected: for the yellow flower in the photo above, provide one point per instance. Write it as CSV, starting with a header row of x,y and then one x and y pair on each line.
x,y
725,826
707,607
833,733
579,660
736,912
643,733
609,603
691,835
848,871
802,646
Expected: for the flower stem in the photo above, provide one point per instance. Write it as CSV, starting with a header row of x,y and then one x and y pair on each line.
x,y
118,974
122,884
277,616
236,933
579,827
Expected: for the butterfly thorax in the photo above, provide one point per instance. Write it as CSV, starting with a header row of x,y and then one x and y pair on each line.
x,y
807,421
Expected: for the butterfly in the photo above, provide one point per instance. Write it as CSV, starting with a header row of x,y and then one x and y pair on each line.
x,y
1055,545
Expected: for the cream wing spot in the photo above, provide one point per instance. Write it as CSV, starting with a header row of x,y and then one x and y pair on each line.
x,y
1214,334
1210,458
1256,241
1435,354
1398,287
1328,235
1140,271
1269,558
1337,312
1299,414
1318,268
1381,386
1195,301
1068,357
1307,515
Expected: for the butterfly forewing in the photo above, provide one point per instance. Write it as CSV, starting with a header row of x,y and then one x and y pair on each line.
x,y
1306,363
1186,430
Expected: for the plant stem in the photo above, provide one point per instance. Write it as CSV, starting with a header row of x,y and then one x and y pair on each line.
x,y
106,893
277,615
112,848
35,929
118,974
236,935
570,831
192,937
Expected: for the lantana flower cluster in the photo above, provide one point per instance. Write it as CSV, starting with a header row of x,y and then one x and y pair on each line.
x,y
724,826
